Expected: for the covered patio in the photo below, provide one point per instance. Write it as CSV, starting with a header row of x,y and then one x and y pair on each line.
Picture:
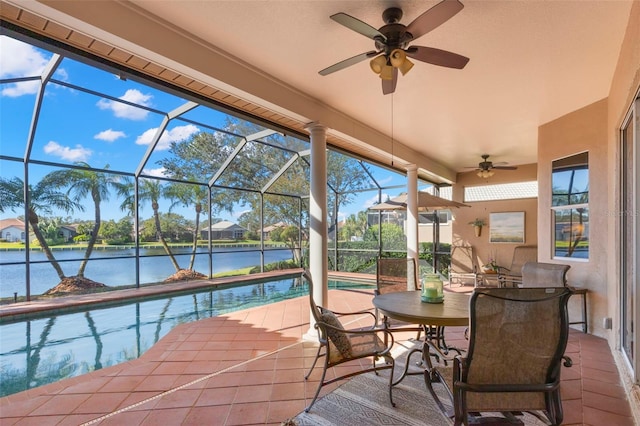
x,y
248,367
550,87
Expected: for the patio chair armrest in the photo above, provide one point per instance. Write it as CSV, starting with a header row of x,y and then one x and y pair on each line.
x,y
321,324
344,314
503,270
388,335
459,364
568,362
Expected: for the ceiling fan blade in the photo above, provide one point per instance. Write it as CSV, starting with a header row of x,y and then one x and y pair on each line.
x,y
348,62
505,167
357,25
435,56
434,17
389,86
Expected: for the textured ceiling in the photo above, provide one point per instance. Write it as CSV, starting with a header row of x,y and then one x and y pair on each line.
x,y
530,62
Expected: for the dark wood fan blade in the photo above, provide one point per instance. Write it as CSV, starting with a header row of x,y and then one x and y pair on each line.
x,y
505,167
435,56
389,86
348,62
434,17
357,25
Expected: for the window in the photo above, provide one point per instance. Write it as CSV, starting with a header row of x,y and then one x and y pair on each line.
x,y
570,206
503,191
428,218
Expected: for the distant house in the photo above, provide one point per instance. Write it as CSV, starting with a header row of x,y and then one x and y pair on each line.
x,y
266,231
224,230
12,230
68,232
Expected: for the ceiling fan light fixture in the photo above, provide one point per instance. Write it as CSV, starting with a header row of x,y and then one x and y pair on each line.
x,y
485,173
398,59
387,72
378,63
405,67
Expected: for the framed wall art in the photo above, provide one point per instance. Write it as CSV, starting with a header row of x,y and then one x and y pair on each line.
x,y
506,227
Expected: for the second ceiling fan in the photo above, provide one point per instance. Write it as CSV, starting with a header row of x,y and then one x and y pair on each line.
x,y
485,167
392,40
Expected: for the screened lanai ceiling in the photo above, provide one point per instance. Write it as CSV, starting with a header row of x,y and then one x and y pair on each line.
x,y
530,62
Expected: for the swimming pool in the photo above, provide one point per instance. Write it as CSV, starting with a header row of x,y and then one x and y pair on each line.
x,y
43,350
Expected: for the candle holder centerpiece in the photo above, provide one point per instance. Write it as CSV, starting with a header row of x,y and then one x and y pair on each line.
x,y
432,289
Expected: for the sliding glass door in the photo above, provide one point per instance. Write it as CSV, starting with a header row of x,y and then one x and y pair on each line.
x,y
630,238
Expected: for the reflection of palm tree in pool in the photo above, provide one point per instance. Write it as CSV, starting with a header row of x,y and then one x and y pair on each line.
x,y
54,371
161,319
34,357
96,337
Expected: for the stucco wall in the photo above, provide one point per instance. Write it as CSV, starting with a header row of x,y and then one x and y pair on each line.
x,y
624,88
463,233
595,128
579,131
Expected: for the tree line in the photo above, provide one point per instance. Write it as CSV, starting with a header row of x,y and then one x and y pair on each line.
x,y
82,187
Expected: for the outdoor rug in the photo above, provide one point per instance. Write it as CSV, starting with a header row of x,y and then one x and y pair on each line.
x,y
364,400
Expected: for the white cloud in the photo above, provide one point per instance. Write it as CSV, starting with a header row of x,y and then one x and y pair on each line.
x,y
110,135
62,74
121,110
374,200
176,134
384,181
18,59
159,172
79,153
236,215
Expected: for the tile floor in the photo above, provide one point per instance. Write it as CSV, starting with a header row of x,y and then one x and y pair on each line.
x,y
248,367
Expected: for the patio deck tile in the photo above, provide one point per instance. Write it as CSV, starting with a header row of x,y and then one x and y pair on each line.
x,y
248,367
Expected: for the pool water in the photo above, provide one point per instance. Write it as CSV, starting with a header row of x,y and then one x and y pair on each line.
x,y
39,351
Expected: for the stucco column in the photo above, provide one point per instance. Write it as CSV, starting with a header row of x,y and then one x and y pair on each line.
x,y
318,232
412,217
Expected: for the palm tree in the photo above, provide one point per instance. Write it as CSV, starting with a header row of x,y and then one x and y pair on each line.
x,y
80,183
152,190
149,190
43,199
187,194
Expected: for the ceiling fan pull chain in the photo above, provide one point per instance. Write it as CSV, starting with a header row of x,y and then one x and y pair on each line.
x,y
391,129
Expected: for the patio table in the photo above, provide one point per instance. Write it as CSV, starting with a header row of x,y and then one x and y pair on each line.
x,y
407,306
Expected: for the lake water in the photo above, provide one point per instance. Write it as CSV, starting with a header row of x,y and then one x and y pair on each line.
x,y
108,266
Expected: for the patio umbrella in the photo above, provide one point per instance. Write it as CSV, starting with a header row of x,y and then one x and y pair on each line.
x,y
426,202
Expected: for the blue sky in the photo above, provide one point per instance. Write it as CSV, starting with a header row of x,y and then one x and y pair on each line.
x,y
77,126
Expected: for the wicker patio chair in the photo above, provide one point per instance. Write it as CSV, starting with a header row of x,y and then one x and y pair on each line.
x,y
463,268
516,350
512,276
338,345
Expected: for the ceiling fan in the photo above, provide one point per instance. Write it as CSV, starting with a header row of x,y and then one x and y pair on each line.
x,y
392,43
486,168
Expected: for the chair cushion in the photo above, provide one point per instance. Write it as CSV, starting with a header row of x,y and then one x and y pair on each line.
x,y
339,338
